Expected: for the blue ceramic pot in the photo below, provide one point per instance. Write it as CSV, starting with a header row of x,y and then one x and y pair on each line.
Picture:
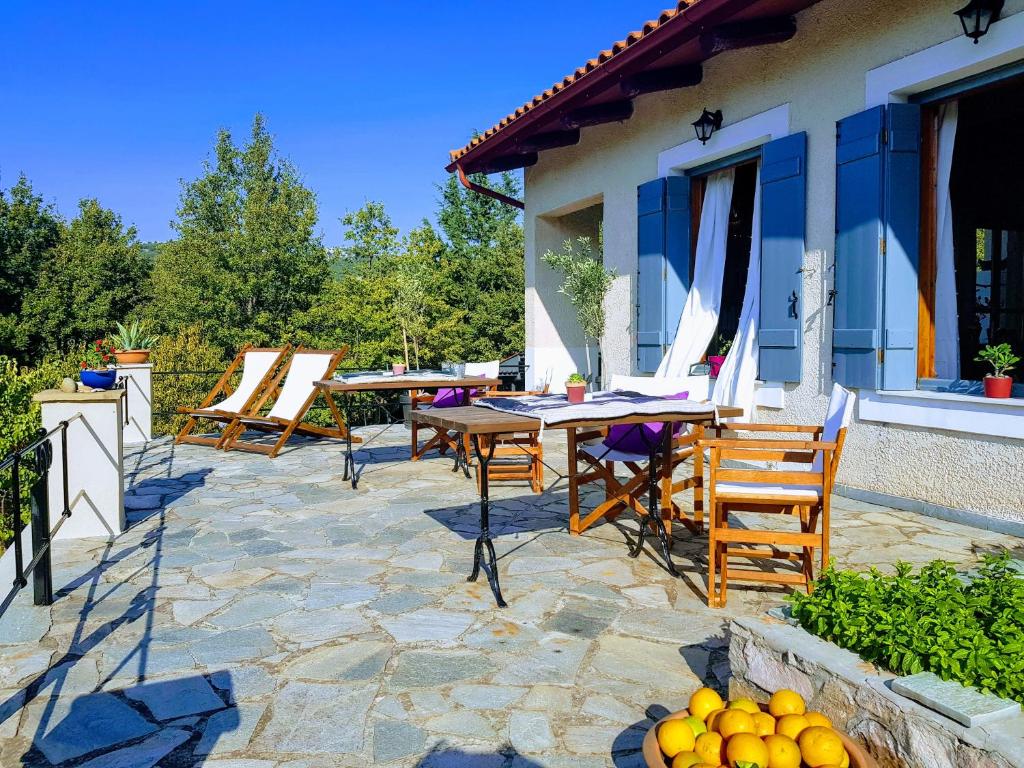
x,y
98,379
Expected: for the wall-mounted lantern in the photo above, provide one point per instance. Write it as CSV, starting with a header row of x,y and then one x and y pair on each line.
x,y
707,124
977,16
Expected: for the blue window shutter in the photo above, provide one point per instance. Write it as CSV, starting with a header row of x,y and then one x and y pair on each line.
x,y
783,221
902,246
877,230
663,265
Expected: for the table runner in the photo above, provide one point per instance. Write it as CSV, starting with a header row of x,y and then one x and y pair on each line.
x,y
371,377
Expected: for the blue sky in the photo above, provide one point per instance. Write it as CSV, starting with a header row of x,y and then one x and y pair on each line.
x,y
121,100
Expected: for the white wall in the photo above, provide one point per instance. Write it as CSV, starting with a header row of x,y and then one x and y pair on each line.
x,y
822,75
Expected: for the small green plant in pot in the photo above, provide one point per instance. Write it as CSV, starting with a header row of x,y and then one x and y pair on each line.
x,y
1002,359
722,346
575,386
131,343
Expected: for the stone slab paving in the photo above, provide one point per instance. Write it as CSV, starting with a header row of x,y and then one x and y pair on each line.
x,y
261,614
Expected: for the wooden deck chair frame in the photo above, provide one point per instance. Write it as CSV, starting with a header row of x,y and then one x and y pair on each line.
x,y
441,439
725,542
223,389
295,425
631,493
514,446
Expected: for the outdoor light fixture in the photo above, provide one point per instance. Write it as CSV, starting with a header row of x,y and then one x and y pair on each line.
x,y
977,16
707,124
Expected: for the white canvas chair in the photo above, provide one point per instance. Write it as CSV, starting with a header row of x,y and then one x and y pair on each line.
x,y
801,493
258,368
291,403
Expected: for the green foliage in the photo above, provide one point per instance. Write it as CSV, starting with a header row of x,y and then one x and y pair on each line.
x,y
968,630
132,337
1000,357
369,233
186,350
247,257
576,378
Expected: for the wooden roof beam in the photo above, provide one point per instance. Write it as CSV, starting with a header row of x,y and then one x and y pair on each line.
x,y
664,79
747,34
504,163
549,140
609,112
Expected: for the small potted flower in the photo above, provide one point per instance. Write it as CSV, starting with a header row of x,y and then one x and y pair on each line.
x,y
95,373
1002,359
131,344
575,386
397,369
716,361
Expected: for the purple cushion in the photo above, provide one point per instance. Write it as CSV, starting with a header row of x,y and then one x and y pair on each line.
x,y
451,397
637,438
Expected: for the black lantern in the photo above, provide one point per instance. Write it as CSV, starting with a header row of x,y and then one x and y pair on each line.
x,y
707,124
977,16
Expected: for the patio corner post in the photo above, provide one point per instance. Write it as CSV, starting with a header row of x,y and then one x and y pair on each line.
x,y
139,385
95,461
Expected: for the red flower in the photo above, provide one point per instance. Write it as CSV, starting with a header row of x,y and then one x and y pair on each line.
x,y
83,365
106,358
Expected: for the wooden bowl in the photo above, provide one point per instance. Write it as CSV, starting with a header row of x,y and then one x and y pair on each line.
x,y
655,759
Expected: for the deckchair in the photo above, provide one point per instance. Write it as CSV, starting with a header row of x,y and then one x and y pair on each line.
x,y
258,368
292,402
757,485
445,398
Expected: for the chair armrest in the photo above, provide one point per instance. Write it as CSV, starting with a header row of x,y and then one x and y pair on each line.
x,y
800,428
753,444
509,393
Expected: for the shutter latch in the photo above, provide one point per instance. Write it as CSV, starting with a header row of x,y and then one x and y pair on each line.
x,y
832,293
881,245
793,301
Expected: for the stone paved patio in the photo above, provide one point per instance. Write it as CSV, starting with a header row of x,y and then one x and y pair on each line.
x,y
261,613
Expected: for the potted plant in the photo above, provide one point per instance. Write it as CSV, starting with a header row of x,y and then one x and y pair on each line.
x,y
397,369
95,372
131,344
722,347
1002,359
575,386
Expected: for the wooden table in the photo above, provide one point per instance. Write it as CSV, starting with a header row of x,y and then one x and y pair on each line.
x,y
345,389
479,420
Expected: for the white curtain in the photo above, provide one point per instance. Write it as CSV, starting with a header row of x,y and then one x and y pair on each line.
x,y
947,334
736,379
699,318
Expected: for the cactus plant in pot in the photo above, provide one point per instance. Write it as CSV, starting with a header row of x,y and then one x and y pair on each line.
x,y
131,344
575,387
1002,359
97,357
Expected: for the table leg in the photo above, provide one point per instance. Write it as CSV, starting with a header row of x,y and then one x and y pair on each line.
x,y
461,459
484,547
654,472
350,461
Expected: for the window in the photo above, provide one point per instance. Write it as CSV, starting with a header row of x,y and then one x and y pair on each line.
x,y
983,242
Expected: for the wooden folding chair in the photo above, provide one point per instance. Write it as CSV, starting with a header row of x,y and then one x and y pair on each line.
x,y
292,401
258,366
600,462
800,494
442,439
518,456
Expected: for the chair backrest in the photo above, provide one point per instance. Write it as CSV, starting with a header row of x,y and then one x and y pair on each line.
x,y
488,370
837,420
697,386
255,367
303,369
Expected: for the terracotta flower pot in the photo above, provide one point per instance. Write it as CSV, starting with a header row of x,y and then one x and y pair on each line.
x,y
998,386
655,759
397,369
131,356
575,392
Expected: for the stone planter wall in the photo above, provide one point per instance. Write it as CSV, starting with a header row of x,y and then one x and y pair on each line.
x,y
766,654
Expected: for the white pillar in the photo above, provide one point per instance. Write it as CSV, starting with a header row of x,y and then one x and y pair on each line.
x,y
95,450
140,402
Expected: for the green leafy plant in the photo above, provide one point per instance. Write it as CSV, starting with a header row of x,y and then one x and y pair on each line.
x,y
1000,357
98,355
132,337
576,378
722,344
970,630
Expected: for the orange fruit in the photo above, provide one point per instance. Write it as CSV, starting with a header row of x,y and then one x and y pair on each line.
x,y
764,724
816,718
703,702
786,702
675,736
746,748
783,752
747,705
734,721
791,725
686,759
820,746
710,747
712,719
845,762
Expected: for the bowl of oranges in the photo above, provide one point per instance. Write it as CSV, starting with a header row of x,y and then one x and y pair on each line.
x,y
711,733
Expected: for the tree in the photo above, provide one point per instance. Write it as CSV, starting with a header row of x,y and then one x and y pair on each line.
x,y
585,283
29,232
369,233
247,258
97,275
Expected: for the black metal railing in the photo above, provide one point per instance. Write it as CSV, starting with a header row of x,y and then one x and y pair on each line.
x,y
36,458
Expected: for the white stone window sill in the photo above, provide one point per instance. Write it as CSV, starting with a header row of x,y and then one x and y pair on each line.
x,y
950,411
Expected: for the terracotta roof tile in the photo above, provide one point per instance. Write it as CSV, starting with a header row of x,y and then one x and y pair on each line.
x,y
602,58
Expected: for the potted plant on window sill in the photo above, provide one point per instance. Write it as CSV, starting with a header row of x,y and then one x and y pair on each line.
x,y
131,344
95,373
575,386
722,347
1002,359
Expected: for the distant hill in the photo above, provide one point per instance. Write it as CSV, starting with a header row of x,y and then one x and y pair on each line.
x,y
151,249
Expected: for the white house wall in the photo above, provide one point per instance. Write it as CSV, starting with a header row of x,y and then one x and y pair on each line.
x,y
821,75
